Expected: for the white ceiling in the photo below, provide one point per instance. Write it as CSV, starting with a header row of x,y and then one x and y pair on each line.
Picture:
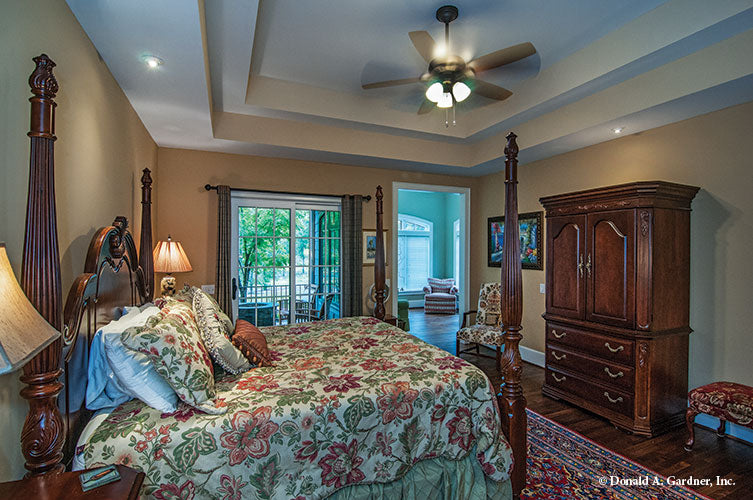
x,y
283,77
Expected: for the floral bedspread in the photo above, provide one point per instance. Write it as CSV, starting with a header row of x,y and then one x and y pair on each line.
x,y
349,401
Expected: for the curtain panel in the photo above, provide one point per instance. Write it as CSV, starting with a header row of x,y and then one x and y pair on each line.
x,y
352,255
223,287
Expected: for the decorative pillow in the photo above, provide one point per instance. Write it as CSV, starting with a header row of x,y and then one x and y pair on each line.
x,y
441,285
132,372
172,342
215,336
252,343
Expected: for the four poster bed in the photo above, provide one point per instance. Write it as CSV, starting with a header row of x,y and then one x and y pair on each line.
x,y
353,407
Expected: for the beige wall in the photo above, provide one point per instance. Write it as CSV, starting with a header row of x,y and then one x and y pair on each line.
x,y
189,213
712,151
101,148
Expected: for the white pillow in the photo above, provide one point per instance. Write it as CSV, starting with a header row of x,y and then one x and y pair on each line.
x,y
102,389
135,374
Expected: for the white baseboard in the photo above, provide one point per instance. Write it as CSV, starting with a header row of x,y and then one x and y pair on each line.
x,y
532,356
416,303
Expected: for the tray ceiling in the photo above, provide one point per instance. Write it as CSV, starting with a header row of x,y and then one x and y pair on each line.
x,y
283,77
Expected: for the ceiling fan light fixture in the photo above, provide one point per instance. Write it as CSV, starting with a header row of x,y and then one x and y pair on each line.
x,y
445,101
434,92
461,91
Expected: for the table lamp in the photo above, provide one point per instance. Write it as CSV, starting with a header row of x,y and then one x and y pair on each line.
x,y
169,258
23,331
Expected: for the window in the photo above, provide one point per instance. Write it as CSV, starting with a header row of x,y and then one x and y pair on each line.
x,y
414,246
287,258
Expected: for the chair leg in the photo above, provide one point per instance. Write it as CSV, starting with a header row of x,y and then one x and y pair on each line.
x,y
477,345
457,347
689,419
722,428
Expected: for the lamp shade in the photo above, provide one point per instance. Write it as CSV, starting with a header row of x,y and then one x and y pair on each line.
x,y
169,257
23,331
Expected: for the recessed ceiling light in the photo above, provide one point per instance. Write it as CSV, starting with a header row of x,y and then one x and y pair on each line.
x,y
153,62
618,130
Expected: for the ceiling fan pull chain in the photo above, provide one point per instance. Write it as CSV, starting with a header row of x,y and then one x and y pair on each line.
x,y
446,117
453,113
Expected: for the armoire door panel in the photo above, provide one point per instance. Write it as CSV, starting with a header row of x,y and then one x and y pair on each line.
x,y
610,267
565,254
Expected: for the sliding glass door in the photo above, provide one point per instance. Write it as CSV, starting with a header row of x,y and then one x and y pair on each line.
x,y
286,265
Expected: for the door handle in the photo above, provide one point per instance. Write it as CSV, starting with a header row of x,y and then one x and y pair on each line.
x,y
234,288
580,266
588,265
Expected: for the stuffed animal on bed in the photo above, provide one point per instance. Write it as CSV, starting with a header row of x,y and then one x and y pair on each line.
x,y
167,286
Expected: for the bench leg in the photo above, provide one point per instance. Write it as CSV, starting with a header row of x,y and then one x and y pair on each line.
x,y
722,428
689,419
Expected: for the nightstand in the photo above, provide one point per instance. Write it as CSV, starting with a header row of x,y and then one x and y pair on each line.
x,y
67,486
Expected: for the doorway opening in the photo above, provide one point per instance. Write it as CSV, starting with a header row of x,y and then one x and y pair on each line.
x,y
430,224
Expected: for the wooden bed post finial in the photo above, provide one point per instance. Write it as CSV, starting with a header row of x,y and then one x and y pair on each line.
x,y
43,433
379,280
512,399
146,260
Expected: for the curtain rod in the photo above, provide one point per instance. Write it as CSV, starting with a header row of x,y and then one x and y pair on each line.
x,y
209,187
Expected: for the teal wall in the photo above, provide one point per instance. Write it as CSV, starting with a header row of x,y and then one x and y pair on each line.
x,y
442,209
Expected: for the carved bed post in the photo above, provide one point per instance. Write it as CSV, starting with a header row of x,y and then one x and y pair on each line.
x,y
43,432
513,403
146,260
379,283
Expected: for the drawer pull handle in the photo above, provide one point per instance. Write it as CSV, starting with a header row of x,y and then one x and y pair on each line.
x,y
558,335
618,400
558,357
613,375
614,349
558,379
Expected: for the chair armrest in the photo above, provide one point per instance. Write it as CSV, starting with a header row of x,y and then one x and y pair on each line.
x,y
427,289
465,317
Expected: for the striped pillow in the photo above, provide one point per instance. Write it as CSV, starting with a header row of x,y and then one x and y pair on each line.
x,y
441,285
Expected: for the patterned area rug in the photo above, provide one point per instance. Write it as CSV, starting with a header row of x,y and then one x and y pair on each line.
x,y
562,464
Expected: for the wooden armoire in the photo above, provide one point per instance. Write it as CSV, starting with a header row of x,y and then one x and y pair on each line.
x,y
617,302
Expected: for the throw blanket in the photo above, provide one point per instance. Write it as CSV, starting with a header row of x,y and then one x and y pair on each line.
x,y
350,401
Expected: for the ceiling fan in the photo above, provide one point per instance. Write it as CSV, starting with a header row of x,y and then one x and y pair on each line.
x,y
450,78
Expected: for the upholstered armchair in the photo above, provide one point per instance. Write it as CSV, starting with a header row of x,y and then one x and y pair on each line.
x,y
441,296
488,329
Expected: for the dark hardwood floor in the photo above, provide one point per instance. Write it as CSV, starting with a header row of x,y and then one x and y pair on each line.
x,y
711,456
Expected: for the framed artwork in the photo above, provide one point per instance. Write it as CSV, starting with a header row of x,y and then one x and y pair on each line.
x,y
369,247
531,248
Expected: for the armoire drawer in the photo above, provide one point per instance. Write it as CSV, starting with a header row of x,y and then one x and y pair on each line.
x,y
617,401
619,376
606,347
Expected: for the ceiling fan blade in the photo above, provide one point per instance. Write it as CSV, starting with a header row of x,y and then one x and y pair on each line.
x,y
425,107
502,57
390,83
424,44
490,90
